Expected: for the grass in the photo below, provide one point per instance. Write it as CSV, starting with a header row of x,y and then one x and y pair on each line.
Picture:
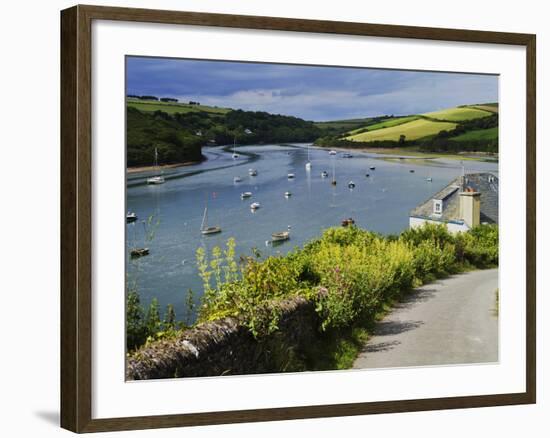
x,y
457,114
478,134
388,123
172,107
411,130
487,107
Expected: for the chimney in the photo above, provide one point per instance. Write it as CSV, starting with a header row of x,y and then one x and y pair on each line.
x,y
470,207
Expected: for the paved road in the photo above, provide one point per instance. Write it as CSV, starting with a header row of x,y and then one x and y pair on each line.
x,y
452,321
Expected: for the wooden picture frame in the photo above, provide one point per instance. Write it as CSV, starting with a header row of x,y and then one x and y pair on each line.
x,y
76,219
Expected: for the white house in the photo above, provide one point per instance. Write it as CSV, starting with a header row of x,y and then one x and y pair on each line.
x,y
467,201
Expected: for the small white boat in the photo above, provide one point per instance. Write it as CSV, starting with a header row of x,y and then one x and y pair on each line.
x,y
280,236
235,156
288,194
131,217
291,176
237,179
211,230
252,172
351,185
332,152
429,179
372,168
347,155
308,166
158,179
245,195
205,229
411,170
255,205
324,174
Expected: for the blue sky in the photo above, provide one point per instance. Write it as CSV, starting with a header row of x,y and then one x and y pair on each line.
x,y
309,92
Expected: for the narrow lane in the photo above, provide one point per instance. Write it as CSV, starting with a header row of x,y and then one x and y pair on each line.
x,y
451,321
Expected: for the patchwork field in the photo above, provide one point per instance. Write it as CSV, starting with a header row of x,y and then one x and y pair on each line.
x,y
458,114
388,123
491,108
412,130
478,134
172,107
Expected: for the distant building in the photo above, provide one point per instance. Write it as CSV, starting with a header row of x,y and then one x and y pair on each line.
x,y
247,131
468,201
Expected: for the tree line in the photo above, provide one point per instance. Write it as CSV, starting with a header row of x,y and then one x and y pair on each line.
x,y
179,137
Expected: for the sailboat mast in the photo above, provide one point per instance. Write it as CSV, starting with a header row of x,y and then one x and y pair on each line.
x,y
203,224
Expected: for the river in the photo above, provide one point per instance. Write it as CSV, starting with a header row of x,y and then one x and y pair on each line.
x,y
380,202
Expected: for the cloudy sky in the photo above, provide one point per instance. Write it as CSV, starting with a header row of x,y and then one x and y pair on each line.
x,y
312,93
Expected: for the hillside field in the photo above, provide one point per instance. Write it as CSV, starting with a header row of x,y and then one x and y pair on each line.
x,y
172,107
459,114
492,108
478,134
388,123
412,130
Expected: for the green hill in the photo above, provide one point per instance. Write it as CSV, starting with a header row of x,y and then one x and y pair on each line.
x,y
179,136
458,114
478,134
412,130
463,128
172,107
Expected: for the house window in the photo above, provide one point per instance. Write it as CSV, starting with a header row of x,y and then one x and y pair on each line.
x,y
438,206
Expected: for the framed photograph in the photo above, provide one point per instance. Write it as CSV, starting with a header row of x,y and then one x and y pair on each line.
x,y
269,218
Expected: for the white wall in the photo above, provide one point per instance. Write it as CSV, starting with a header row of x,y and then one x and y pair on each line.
x,y
29,221
452,227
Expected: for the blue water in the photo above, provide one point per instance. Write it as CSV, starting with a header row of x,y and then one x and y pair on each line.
x,y
380,203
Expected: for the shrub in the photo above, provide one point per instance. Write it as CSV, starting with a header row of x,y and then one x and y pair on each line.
x,y
349,274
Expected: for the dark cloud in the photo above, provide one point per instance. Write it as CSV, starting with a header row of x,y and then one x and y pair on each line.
x,y
310,92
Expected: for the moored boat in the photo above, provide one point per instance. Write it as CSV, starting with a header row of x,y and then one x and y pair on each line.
x,y
138,252
351,185
245,195
205,229
280,236
237,179
324,174
288,194
131,217
290,176
157,179
252,172
255,205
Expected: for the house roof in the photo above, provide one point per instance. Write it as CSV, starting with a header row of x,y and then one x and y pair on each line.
x,y
484,183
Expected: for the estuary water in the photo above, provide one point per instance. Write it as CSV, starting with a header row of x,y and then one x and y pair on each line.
x,y
173,211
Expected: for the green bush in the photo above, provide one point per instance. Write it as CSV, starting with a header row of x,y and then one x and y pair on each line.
x,y
348,273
